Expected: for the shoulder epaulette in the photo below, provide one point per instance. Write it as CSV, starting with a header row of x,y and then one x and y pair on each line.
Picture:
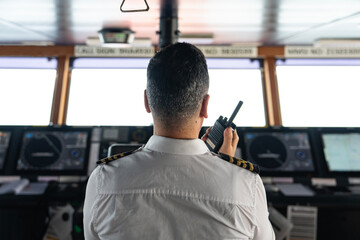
x,y
117,156
239,162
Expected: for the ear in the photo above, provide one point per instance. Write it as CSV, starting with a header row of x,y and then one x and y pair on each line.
x,y
204,106
146,102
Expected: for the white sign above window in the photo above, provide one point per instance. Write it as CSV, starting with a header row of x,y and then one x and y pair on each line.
x,y
93,51
229,51
321,52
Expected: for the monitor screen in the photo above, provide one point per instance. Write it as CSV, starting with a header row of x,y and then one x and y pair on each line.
x,y
54,151
279,151
342,151
4,145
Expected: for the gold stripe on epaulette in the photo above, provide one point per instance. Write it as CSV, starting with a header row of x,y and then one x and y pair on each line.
x,y
240,162
251,167
244,163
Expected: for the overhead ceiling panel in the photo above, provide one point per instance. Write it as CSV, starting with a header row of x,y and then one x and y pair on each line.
x,y
302,22
265,22
346,28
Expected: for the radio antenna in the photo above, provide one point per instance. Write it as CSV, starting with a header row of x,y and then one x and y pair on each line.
x,y
234,113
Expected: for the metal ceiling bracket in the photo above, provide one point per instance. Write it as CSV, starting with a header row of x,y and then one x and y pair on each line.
x,y
135,10
169,32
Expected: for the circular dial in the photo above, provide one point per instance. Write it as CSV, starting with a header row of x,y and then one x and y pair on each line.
x,y
42,150
268,152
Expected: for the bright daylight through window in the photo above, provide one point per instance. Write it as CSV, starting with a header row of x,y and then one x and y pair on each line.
x,y
110,92
27,88
319,92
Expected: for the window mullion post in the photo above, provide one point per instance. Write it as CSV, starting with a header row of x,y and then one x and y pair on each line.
x,y
61,92
272,93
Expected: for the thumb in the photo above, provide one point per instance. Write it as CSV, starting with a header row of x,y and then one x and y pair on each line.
x,y
230,142
228,136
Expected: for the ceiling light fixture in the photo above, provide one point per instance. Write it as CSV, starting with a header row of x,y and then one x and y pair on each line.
x,y
138,42
117,37
197,38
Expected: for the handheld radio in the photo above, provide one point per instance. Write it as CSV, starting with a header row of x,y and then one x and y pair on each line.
x,y
216,135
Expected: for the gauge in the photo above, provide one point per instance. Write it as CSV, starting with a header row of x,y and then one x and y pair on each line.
x,y
42,150
268,152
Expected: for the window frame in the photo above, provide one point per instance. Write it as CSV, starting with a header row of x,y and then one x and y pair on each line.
x,y
32,62
259,60
322,62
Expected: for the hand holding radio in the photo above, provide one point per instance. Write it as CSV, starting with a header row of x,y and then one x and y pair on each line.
x,y
220,137
230,142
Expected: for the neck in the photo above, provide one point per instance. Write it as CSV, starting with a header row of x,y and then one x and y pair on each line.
x,y
189,130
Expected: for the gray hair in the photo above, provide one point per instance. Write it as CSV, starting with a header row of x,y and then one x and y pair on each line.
x,y
177,82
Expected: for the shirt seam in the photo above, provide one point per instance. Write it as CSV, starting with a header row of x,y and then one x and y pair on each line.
x,y
96,204
254,191
175,193
254,208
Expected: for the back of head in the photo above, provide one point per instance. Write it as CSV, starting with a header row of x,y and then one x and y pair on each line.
x,y
177,81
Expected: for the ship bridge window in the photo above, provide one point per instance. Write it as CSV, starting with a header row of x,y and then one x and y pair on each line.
x,y
232,80
106,91
319,92
26,90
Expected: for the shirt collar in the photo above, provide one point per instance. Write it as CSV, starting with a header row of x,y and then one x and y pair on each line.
x,y
176,146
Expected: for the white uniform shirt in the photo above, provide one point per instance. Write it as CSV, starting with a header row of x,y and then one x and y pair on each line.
x,y
175,189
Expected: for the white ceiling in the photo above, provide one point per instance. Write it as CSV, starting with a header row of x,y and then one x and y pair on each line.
x,y
262,22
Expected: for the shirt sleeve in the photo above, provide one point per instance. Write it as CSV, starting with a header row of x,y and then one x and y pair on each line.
x,y
263,229
89,206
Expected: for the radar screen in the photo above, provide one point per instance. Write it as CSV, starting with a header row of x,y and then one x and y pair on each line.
x,y
342,151
4,145
53,151
279,151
